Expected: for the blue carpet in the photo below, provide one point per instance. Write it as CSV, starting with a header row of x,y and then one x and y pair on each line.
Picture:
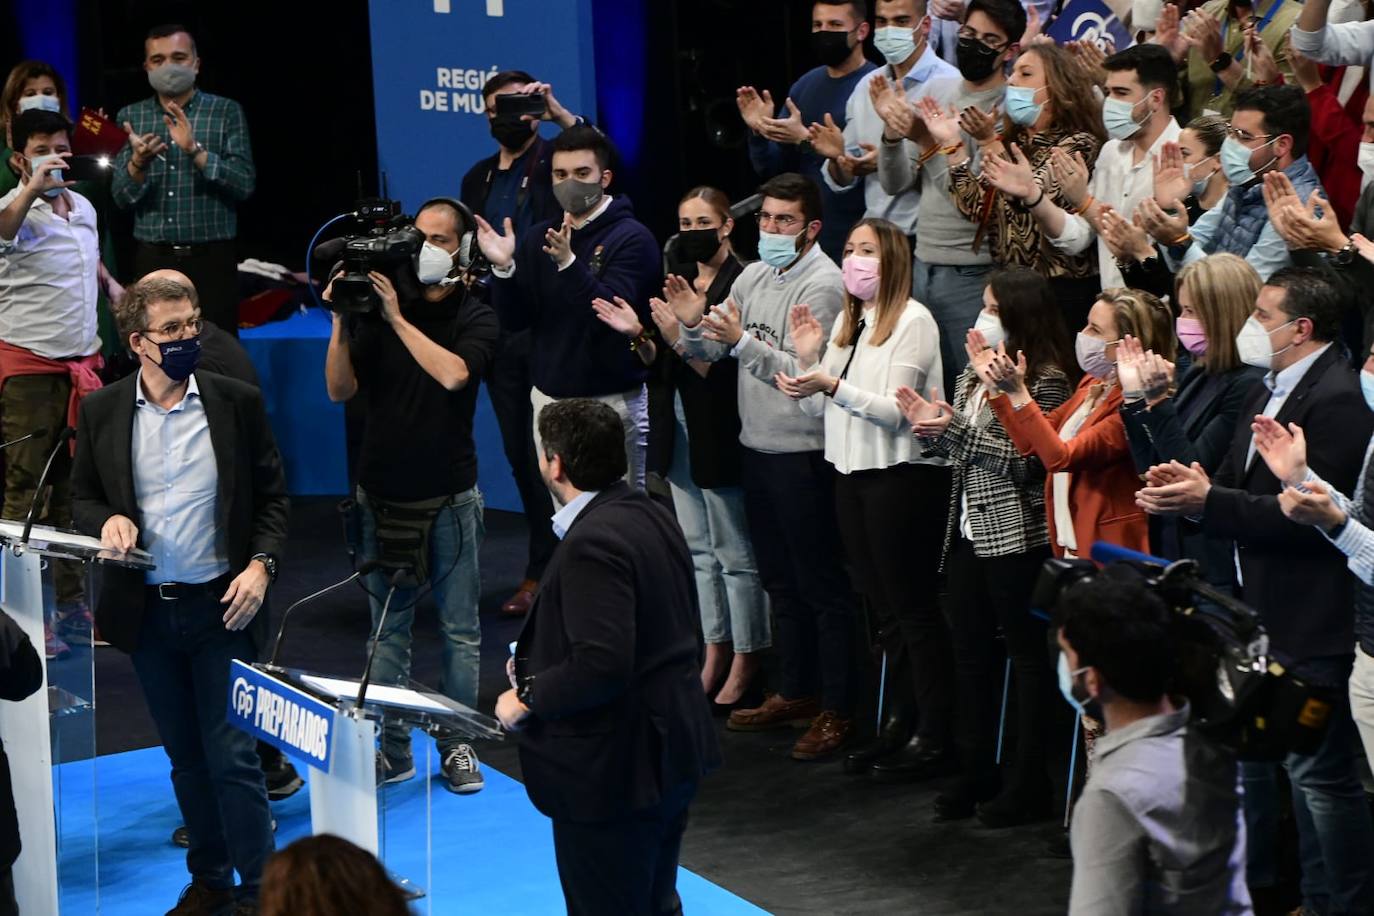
x,y
492,852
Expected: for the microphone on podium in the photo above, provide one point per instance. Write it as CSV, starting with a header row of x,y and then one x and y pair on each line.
x,y
38,433
363,570
62,438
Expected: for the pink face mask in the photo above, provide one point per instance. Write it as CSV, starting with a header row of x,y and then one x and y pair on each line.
x,y
1191,335
861,276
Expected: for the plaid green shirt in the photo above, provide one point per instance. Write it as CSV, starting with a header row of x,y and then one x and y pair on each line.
x,y
177,202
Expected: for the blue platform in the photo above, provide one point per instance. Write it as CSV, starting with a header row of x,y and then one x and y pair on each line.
x,y
493,852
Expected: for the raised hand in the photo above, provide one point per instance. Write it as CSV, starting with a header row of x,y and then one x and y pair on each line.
x,y
1013,176
753,107
1171,181
1168,33
722,324
1259,60
669,328
979,124
619,316
943,124
1126,241
1033,25
1283,450
786,130
558,242
497,247
1203,32
898,114
1008,376
806,333
827,139
145,147
1164,227
866,164
1129,356
928,419
683,298
179,128
1157,375
1071,174
1314,507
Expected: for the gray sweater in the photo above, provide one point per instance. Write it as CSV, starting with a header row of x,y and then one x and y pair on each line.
x,y
770,421
943,234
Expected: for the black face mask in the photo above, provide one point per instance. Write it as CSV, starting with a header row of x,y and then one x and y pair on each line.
x,y
512,133
830,48
976,60
698,244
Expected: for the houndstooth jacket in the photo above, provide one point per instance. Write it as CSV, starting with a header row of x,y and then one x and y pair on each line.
x,y
1006,490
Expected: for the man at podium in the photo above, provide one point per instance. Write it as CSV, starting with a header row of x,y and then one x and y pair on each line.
x,y
184,465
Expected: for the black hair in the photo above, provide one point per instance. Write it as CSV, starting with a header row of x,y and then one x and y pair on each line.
x,y
584,136
792,186
1285,111
167,30
590,439
505,78
1009,15
1307,293
1153,65
1117,625
1033,320
860,7
36,123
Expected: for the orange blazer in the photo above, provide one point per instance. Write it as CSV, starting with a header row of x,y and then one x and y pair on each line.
x,y
1104,481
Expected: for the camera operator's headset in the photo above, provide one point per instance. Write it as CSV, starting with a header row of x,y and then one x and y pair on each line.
x,y
468,252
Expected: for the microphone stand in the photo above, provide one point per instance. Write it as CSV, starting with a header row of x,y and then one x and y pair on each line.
x,y
62,438
281,629
41,431
377,638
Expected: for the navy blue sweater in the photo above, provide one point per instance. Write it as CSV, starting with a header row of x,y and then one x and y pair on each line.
x,y
573,353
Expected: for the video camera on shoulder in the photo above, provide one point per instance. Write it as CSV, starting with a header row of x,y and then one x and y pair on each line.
x,y
1241,696
384,240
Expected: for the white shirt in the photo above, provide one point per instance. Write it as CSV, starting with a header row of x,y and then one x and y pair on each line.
x,y
48,279
176,486
1120,183
864,427
1063,518
563,519
972,408
1350,44
862,125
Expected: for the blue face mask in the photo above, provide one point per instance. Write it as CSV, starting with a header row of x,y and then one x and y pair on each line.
x,y
180,357
895,44
36,161
41,103
1118,116
1235,161
1367,386
1021,105
1066,684
778,250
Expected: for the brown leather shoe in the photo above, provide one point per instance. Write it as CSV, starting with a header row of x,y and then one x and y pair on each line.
x,y
776,712
518,605
199,900
825,736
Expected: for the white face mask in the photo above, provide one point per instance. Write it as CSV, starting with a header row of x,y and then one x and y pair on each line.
x,y
1344,11
1253,344
40,102
432,264
991,328
1366,163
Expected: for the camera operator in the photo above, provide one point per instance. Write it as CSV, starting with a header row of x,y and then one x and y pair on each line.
x,y
597,250
516,183
415,366
1157,829
1293,576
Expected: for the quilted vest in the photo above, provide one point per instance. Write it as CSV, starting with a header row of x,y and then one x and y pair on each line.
x,y
1244,216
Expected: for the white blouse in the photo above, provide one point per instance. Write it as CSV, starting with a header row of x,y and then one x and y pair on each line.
x,y
864,427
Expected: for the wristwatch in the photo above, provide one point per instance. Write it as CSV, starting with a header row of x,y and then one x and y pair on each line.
x,y
1345,257
1223,61
268,561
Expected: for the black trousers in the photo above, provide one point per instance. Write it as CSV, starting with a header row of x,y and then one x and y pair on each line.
x,y
626,866
508,385
789,502
212,267
892,521
986,593
9,906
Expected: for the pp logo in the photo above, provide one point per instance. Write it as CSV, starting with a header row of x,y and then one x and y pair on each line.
x,y
494,7
1093,27
243,698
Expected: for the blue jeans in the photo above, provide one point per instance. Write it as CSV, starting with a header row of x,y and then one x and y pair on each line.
x,y
954,295
182,661
1335,834
733,609
454,543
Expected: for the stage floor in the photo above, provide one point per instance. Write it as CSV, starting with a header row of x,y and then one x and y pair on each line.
x,y
492,851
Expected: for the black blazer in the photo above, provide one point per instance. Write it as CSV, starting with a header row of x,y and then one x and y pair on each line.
x,y
608,665
1214,403
710,405
21,673
252,507
1292,574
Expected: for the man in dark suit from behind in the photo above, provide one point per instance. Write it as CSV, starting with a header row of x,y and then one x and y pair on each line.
x,y
182,463
606,700
21,673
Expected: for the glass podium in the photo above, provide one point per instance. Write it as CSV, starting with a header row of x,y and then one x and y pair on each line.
x,y
51,735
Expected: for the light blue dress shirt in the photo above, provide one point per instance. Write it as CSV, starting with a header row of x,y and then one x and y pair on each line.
x,y
563,519
176,485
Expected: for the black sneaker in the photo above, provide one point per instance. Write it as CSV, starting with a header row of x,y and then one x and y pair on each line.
x,y
394,769
199,900
282,780
463,772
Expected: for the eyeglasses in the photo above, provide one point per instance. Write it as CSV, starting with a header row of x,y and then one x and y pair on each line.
x,y
782,221
176,330
994,44
1244,136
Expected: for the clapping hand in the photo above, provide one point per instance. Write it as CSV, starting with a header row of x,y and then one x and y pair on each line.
x,y
687,303
786,130
1311,505
1171,181
1283,450
1070,173
827,139
179,128
1169,35
797,387
1164,227
928,419
1174,489
1259,61
497,247
1126,241
146,147
941,123
669,328
753,107
898,114
1203,32
860,165
1012,176
619,316
807,335
1009,377
722,324
558,242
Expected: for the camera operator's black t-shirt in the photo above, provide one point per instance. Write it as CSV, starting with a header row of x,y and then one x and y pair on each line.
x,y
417,440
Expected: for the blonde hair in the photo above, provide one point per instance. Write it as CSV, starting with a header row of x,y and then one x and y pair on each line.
x,y
1144,317
894,284
1222,289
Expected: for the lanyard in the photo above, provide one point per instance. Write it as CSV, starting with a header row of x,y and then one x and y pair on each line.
x,y
1240,54
854,347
